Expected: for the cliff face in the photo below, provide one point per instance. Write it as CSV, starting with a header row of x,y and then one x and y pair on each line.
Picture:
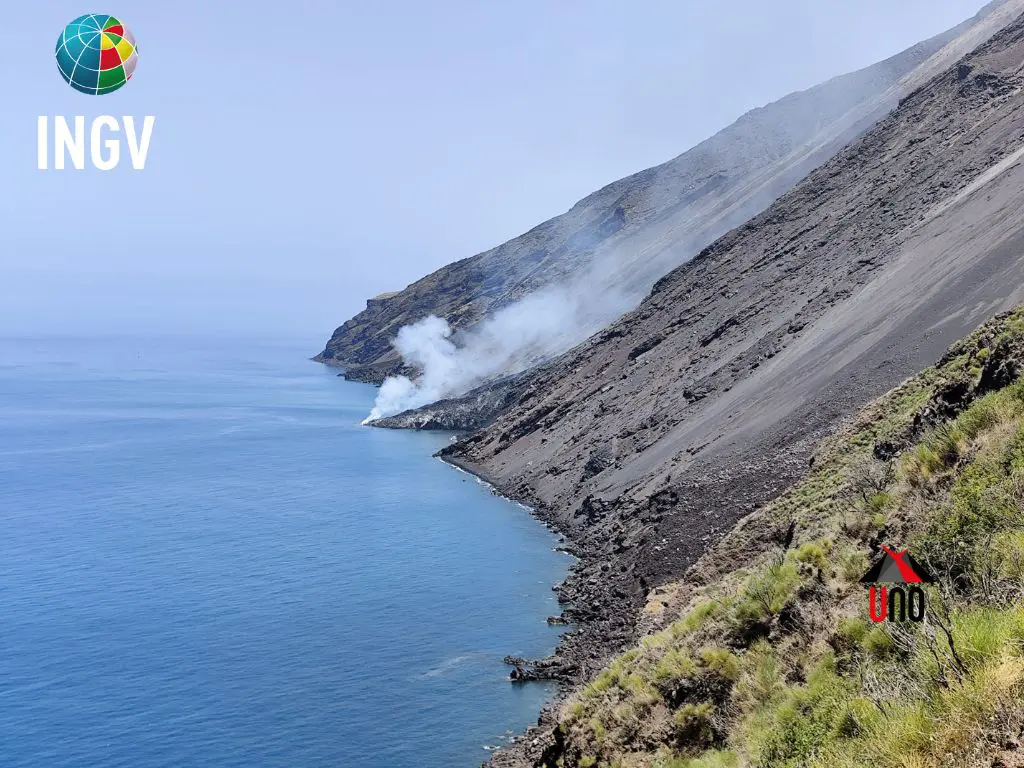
x,y
636,229
649,441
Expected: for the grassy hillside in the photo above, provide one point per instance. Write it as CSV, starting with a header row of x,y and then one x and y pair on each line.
x,y
764,655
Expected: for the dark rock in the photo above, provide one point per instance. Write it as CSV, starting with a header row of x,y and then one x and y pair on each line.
x,y
468,413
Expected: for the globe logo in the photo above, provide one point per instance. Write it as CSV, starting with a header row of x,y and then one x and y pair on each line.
x,y
96,54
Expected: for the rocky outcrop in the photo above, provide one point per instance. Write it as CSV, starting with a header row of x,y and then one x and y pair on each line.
x,y
473,411
638,228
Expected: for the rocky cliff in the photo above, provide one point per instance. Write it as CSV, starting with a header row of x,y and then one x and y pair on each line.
x,y
633,231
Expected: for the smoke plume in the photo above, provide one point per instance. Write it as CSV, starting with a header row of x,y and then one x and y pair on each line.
x,y
517,337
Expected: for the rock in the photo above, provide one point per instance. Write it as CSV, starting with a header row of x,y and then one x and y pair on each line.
x,y
473,411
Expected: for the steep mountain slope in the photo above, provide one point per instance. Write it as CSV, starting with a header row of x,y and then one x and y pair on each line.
x,y
765,653
654,437
633,231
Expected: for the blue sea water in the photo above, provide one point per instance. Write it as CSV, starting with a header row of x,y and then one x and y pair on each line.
x,y
204,560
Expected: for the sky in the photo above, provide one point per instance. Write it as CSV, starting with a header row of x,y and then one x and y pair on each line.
x,y
311,154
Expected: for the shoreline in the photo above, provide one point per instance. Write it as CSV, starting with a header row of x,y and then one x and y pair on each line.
x,y
482,480
594,633
604,614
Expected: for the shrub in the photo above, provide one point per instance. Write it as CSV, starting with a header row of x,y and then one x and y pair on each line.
x,y
950,444
920,465
656,641
760,679
853,718
766,594
721,662
573,711
980,417
939,724
605,681
852,565
984,501
802,719
814,553
1008,556
877,642
626,720
699,616
642,692
879,502
983,635
693,723
673,666
853,630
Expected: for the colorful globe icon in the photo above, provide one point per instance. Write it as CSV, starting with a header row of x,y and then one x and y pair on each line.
x,y
97,54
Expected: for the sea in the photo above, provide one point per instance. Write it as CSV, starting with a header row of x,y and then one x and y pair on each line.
x,y
205,560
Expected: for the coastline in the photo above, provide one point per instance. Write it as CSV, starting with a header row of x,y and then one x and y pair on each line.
x,y
590,641
604,615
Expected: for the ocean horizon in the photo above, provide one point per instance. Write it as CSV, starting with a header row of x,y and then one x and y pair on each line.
x,y
209,561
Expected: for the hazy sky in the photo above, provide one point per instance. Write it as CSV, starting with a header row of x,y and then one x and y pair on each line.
x,y
309,154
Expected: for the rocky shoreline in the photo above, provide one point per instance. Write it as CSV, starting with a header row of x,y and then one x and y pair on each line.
x,y
584,648
468,413
620,565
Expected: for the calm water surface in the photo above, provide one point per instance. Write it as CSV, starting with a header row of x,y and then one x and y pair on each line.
x,y
206,561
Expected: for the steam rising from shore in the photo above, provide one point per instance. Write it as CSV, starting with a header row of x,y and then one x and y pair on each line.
x,y
515,338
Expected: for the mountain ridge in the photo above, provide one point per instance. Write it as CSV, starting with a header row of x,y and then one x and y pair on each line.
x,y
635,229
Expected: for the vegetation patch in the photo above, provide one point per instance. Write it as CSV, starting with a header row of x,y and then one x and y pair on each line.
x,y
778,665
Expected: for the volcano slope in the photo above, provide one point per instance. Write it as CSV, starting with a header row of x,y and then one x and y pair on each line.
x,y
633,231
649,441
764,654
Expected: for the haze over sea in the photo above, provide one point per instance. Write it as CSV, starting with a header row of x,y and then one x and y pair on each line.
x,y
207,561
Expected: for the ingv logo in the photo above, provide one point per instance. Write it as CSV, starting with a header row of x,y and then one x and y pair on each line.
x,y
96,55
896,603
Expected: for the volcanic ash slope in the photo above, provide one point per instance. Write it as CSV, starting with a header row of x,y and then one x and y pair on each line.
x,y
650,440
625,236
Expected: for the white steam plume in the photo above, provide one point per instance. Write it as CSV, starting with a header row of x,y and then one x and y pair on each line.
x,y
540,325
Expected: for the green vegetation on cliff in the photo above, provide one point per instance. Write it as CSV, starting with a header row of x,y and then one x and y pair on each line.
x,y
765,655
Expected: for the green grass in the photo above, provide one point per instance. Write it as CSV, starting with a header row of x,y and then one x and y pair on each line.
x,y
794,723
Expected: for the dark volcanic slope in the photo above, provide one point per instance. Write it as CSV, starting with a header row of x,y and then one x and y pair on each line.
x,y
654,436
638,228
